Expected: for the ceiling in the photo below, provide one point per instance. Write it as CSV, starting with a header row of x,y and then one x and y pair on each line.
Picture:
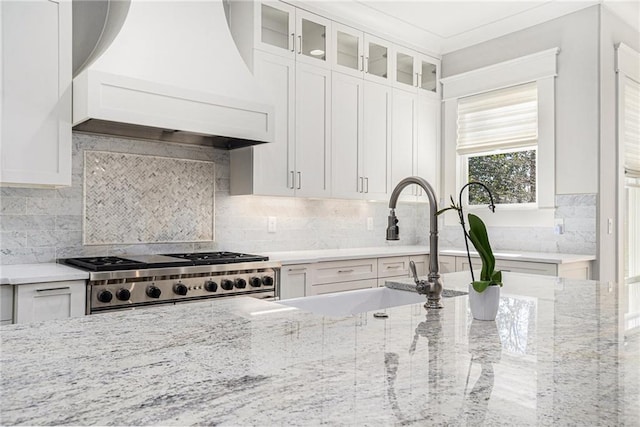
x,y
450,25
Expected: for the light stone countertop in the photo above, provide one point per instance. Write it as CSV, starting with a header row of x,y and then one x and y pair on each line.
x,y
20,274
51,272
321,255
558,354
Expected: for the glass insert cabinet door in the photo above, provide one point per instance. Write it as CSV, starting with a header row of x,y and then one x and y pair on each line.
x,y
277,28
348,50
376,59
427,75
313,38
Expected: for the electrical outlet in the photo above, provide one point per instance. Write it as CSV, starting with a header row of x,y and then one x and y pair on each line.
x,y
558,226
370,224
271,224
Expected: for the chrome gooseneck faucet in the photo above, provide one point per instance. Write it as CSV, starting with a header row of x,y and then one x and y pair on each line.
x,y
433,287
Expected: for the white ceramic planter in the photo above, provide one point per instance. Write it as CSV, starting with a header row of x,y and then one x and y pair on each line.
x,y
484,305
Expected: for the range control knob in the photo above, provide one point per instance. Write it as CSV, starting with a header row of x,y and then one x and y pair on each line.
x,y
105,296
153,291
180,289
241,283
123,294
226,284
255,282
210,286
267,280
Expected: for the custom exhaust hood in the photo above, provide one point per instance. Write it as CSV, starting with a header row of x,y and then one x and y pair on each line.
x,y
167,71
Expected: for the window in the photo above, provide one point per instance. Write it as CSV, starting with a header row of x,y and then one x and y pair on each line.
x,y
499,128
497,144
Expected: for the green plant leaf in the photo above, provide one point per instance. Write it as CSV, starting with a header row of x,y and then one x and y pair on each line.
x,y
480,240
480,285
496,278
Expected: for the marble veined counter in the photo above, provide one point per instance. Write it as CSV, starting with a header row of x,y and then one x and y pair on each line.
x,y
321,255
561,352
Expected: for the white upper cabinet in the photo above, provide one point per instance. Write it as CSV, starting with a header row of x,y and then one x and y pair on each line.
x,y
361,55
378,66
287,31
415,71
276,28
348,50
311,177
35,131
376,154
415,141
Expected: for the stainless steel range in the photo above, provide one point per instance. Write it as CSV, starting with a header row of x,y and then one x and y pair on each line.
x,y
138,281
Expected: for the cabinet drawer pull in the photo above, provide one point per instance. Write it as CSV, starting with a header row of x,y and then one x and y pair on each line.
x,y
53,291
293,42
293,180
361,186
346,271
299,180
297,269
361,67
366,182
393,266
300,44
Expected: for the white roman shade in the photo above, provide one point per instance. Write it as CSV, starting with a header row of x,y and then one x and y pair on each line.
x,y
498,120
631,123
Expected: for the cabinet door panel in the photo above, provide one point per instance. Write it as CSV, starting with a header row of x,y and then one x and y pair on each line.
x,y
348,52
377,141
276,28
274,162
427,143
293,281
346,136
403,135
313,39
341,286
48,301
6,304
313,127
377,64
36,98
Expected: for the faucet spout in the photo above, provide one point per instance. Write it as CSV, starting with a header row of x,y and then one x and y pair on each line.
x,y
434,288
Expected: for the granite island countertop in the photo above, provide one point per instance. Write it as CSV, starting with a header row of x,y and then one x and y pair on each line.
x,y
558,354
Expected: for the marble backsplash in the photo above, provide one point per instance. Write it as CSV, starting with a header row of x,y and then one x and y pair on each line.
x,y
579,235
40,225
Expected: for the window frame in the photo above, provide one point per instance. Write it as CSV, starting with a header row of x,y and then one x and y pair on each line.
x,y
540,68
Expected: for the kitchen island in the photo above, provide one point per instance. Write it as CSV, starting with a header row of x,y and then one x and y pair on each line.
x,y
561,352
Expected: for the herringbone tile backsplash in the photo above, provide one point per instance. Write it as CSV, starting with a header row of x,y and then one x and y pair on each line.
x,y
131,198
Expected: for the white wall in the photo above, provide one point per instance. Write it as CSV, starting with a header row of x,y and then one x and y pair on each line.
x,y
613,31
576,141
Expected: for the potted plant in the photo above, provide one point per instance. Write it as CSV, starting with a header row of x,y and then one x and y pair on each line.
x,y
484,294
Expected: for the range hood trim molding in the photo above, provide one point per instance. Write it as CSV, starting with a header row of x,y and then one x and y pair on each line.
x,y
114,98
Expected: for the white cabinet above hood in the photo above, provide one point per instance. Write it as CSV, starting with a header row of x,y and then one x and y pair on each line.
x,y
173,73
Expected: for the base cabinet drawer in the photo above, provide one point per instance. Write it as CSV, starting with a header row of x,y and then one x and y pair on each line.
x,y
326,288
48,301
345,271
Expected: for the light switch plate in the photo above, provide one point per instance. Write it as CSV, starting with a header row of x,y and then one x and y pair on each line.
x,y
271,224
370,224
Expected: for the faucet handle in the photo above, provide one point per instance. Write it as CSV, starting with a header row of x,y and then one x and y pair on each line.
x,y
412,268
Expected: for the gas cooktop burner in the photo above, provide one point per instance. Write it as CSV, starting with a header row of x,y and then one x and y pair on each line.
x,y
106,263
141,262
208,258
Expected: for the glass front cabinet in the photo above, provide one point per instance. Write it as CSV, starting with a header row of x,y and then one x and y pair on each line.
x,y
416,71
287,31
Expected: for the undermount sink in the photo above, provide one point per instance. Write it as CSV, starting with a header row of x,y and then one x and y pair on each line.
x,y
355,302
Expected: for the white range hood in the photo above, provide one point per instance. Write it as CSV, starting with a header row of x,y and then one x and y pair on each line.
x,y
173,73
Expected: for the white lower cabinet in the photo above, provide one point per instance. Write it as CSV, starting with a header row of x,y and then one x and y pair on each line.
x,y
47,301
346,275
293,280
6,305
573,270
